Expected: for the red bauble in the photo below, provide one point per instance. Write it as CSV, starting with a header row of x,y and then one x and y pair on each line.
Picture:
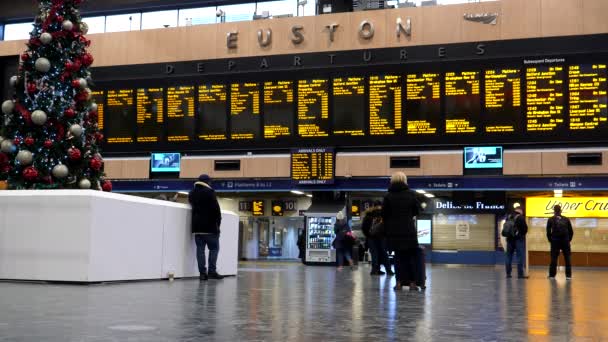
x,y
47,179
25,57
87,59
29,141
76,83
60,18
76,65
31,87
68,66
74,154
96,164
48,143
98,137
82,96
93,115
3,158
17,141
30,173
106,186
69,113
6,168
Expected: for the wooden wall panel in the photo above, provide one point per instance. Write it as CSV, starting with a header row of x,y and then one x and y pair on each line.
x,y
243,41
520,19
522,163
391,27
475,32
194,167
442,164
113,168
442,24
370,165
594,18
342,36
378,19
561,17
136,169
265,167
556,163
284,44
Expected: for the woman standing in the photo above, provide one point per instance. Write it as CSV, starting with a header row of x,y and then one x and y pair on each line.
x,y
399,210
342,243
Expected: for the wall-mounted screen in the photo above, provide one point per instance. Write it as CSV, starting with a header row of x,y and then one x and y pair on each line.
x,y
488,157
165,162
424,231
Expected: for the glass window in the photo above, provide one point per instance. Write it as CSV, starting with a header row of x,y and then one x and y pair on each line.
x,y
275,8
160,19
123,22
96,24
242,12
17,31
197,16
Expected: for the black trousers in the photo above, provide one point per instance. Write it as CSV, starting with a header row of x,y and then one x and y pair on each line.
x,y
406,266
564,247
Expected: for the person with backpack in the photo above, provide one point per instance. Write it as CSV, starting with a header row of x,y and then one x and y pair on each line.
x,y
343,243
372,227
515,229
559,234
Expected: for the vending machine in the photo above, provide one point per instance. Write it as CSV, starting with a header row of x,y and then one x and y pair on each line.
x,y
319,238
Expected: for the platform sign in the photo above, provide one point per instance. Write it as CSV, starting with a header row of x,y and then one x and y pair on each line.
x,y
278,208
257,207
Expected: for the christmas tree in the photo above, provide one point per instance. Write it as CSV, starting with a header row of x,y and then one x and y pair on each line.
x,y
49,138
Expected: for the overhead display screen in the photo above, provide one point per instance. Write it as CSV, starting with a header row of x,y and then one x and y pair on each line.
x,y
385,115
487,157
180,113
212,112
313,108
245,111
310,166
423,103
165,162
545,98
462,102
502,112
150,114
587,85
349,106
119,118
98,96
278,109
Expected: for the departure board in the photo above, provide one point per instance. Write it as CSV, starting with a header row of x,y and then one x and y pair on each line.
x,y
278,109
313,108
545,98
180,113
462,102
588,99
423,103
119,121
245,111
349,106
385,116
502,101
212,110
150,114
311,166
99,98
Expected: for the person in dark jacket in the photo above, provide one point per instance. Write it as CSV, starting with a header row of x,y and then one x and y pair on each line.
x,y
399,210
517,245
559,234
302,246
206,221
377,244
341,243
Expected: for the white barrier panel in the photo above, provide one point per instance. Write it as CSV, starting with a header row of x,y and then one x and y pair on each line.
x,y
91,236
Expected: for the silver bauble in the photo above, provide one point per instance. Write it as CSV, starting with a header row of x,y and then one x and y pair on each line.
x,y
42,64
13,81
46,38
83,83
93,107
39,117
1,139
60,171
7,146
8,106
25,157
84,184
67,25
76,130
84,28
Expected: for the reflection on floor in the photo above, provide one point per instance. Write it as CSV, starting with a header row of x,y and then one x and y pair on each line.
x,y
290,302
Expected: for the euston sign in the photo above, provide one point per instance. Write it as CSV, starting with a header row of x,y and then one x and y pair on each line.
x,y
571,206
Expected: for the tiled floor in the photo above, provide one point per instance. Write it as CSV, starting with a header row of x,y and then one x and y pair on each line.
x,y
290,302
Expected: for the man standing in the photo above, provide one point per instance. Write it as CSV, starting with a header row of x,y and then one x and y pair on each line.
x,y
516,242
559,234
377,244
206,220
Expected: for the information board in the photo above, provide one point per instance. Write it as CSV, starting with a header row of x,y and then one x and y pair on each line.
x,y
348,108
244,111
502,112
180,113
119,118
313,108
278,109
588,98
98,96
310,166
423,103
462,102
545,98
385,115
212,112
150,114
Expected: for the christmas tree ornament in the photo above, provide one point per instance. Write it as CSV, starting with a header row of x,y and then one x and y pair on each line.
x,y
76,130
42,64
39,117
48,143
31,87
25,57
7,146
29,141
30,173
74,154
84,184
94,107
60,171
13,81
69,113
95,164
87,59
24,157
8,106
67,25
106,186
3,185
46,38
82,83
84,28
88,92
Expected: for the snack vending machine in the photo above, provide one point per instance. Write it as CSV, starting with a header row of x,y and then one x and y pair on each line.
x,y
319,238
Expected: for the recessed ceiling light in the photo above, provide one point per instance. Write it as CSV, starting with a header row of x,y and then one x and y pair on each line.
x,y
421,191
429,195
296,192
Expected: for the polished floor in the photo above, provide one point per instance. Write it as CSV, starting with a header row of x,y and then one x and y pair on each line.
x,y
290,302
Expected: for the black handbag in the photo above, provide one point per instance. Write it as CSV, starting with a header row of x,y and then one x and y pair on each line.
x,y
377,229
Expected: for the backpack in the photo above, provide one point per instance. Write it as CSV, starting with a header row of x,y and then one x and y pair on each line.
x,y
560,228
508,229
377,228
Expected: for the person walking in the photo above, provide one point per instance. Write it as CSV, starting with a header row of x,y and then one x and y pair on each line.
x,y
206,221
515,230
302,246
399,209
342,242
377,243
560,234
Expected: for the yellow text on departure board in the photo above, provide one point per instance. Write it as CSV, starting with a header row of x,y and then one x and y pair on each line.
x,y
460,85
422,89
180,107
98,97
277,94
544,98
588,100
313,107
150,114
212,96
383,111
346,87
502,85
120,102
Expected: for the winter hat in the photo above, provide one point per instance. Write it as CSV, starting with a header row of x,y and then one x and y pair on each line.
x,y
204,178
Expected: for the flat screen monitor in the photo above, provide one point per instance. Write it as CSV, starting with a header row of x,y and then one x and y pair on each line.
x,y
165,162
424,232
489,157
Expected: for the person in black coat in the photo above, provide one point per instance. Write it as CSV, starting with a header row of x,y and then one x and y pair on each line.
x,y
399,210
517,244
342,244
377,244
560,234
302,246
206,221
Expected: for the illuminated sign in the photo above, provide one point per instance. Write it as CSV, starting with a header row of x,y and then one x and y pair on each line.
x,y
356,208
257,208
278,207
483,157
571,206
